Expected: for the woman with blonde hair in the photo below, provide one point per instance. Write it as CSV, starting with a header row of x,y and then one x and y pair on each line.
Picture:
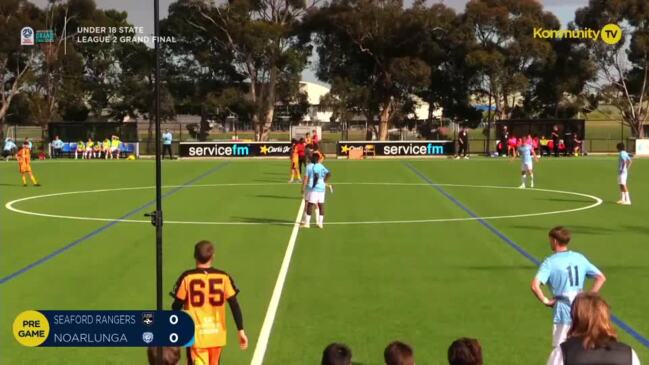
x,y
592,339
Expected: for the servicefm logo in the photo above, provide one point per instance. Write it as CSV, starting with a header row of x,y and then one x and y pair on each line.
x,y
412,149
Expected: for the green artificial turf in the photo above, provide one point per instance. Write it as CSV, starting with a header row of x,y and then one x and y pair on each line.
x,y
364,284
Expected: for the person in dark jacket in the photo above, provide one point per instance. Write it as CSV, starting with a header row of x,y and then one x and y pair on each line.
x,y
592,339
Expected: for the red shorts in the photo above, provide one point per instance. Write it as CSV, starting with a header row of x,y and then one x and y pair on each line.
x,y
208,356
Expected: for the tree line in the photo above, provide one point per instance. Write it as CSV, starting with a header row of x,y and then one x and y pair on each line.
x,y
245,57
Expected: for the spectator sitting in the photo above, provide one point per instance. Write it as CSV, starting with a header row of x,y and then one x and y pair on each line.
x,y
536,145
398,353
545,149
336,354
170,355
465,351
592,338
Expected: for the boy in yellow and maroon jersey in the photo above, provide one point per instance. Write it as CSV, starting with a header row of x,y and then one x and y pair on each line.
x,y
202,293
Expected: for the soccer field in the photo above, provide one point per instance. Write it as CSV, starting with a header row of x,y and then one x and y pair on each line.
x,y
424,251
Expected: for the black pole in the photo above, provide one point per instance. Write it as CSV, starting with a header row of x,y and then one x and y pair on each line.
x,y
157,216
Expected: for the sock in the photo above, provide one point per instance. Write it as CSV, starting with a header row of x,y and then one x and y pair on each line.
x,y
627,197
532,179
298,175
623,196
522,179
307,219
321,219
24,180
33,180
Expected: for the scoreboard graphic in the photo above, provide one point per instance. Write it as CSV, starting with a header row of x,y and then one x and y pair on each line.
x,y
46,328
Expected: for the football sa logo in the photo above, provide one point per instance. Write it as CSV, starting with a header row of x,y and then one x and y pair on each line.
x,y
147,337
27,36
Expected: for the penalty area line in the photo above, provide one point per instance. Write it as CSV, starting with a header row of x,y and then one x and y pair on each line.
x,y
269,319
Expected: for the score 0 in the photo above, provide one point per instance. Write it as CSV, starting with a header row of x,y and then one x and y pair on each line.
x,y
173,320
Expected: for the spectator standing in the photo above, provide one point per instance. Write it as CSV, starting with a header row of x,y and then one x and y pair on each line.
x,y
555,140
463,143
9,149
336,354
465,351
57,147
167,138
398,353
592,339
504,140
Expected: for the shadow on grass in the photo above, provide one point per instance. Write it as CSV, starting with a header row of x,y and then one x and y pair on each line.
x,y
575,229
269,196
636,229
270,221
499,268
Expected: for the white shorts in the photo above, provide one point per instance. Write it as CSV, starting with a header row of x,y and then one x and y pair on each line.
x,y
621,178
526,166
113,149
559,333
307,194
317,197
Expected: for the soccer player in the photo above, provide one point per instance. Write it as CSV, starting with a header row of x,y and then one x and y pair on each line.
x,y
90,147
526,152
565,272
202,293
114,147
80,150
624,163
301,153
24,157
105,147
96,150
315,185
316,151
295,162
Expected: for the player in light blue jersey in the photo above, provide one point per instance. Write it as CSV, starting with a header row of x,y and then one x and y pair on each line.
x,y
526,151
624,163
564,272
315,184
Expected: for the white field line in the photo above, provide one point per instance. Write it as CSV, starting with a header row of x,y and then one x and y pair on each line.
x,y
597,201
267,326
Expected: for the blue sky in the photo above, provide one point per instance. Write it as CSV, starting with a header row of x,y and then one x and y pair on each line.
x,y
140,12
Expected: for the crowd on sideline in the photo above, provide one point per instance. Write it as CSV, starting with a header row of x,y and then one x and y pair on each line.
x,y
556,145
109,148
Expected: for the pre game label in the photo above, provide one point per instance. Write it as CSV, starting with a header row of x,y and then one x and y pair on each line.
x,y
104,328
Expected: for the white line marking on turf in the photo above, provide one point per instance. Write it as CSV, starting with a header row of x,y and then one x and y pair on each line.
x,y
267,326
597,201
